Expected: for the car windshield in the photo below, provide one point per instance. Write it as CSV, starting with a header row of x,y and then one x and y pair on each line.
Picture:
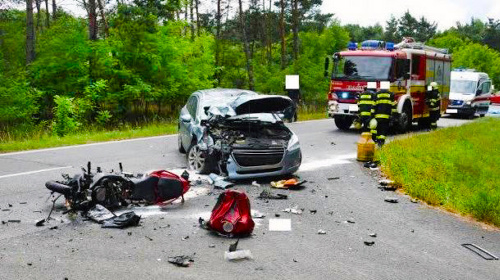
x,y
463,86
366,68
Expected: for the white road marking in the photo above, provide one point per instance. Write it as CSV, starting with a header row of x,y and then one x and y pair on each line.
x,y
33,172
317,164
85,145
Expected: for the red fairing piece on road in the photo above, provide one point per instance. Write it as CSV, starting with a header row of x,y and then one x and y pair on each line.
x,y
231,215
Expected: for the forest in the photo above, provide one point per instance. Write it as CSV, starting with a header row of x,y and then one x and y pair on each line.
x,y
137,62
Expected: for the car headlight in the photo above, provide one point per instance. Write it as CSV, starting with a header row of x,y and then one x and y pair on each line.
x,y
468,102
293,143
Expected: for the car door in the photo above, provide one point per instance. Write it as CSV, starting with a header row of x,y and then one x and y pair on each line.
x,y
190,120
186,121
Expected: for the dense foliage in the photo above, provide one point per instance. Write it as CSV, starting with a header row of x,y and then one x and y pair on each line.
x,y
148,56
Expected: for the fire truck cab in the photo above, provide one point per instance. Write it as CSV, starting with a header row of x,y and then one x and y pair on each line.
x,y
409,66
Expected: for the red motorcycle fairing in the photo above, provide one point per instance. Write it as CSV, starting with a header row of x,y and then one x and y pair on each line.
x,y
160,186
231,215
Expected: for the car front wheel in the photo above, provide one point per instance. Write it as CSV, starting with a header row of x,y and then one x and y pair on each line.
x,y
197,159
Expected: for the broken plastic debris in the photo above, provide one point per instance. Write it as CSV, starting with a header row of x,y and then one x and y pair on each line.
x,y
254,183
182,261
391,199
40,223
293,210
333,178
280,225
287,184
373,235
127,219
386,182
99,213
266,194
321,231
369,243
238,255
219,182
234,246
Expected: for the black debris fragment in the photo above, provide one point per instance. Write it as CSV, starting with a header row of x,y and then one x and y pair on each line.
x,y
149,238
54,227
24,202
124,220
10,205
350,221
181,261
277,215
369,243
321,231
185,238
14,221
211,246
333,178
40,223
373,235
266,194
5,210
233,247
313,211
391,199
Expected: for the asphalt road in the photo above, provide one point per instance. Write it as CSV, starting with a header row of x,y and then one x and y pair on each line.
x,y
413,241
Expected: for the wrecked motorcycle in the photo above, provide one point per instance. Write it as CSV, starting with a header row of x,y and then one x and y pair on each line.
x,y
112,190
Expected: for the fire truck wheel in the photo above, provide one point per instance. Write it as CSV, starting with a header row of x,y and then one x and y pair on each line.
x,y
405,119
343,123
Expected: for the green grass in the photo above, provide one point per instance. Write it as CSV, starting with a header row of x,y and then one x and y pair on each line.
x,y
457,168
47,140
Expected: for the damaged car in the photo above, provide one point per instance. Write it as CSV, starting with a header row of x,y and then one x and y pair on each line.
x,y
238,133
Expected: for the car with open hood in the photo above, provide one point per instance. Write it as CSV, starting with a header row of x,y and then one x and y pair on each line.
x,y
238,133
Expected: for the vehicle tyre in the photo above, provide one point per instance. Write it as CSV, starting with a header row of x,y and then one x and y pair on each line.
x,y
405,119
343,123
179,145
197,159
482,115
424,123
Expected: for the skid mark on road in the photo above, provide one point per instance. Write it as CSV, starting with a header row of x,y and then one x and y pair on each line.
x,y
34,172
318,164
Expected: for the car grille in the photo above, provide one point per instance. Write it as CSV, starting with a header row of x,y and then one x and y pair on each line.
x,y
456,102
248,158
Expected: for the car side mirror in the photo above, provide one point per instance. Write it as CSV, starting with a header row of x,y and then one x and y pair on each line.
x,y
186,118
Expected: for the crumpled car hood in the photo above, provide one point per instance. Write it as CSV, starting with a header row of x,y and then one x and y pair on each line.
x,y
261,104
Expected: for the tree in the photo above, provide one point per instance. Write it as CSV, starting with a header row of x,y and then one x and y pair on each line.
x,y
47,14
103,18
407,25
425,30
295,28
248,55
30,33
492,34
282,34
54,10
391,30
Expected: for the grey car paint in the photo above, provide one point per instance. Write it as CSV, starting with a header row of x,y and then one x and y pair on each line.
x,y
229,102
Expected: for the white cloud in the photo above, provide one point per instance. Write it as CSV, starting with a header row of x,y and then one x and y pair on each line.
x,y
444,12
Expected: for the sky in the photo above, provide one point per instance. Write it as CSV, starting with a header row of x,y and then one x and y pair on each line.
x,y
444,12
368,12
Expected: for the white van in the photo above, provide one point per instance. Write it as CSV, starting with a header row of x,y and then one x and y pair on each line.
x,y
470,93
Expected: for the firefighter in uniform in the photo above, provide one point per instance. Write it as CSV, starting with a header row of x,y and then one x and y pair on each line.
x,y
433,100
365,106
384,107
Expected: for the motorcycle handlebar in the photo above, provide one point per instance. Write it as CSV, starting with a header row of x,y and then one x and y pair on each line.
x,y
58,188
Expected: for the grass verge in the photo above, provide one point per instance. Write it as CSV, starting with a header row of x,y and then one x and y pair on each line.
x,y
46,140
456,168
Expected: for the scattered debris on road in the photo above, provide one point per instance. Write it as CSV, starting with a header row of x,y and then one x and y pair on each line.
x,y
267,194
255,184
238,255
181,261
480,251
219,182
391,199
369,243
321,231
234,246
333,178
293,210
373,235
350,221
288,184
127,219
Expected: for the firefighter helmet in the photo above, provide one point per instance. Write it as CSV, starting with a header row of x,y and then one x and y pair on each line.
x,y
434,85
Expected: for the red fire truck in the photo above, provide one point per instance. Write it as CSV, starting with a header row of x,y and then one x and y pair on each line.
x,y
409,66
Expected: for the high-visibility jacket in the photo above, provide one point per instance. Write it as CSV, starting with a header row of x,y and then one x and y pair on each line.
x,y
385,105
365,103
433,99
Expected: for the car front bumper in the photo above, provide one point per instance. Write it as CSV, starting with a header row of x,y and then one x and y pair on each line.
x,y
289,164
